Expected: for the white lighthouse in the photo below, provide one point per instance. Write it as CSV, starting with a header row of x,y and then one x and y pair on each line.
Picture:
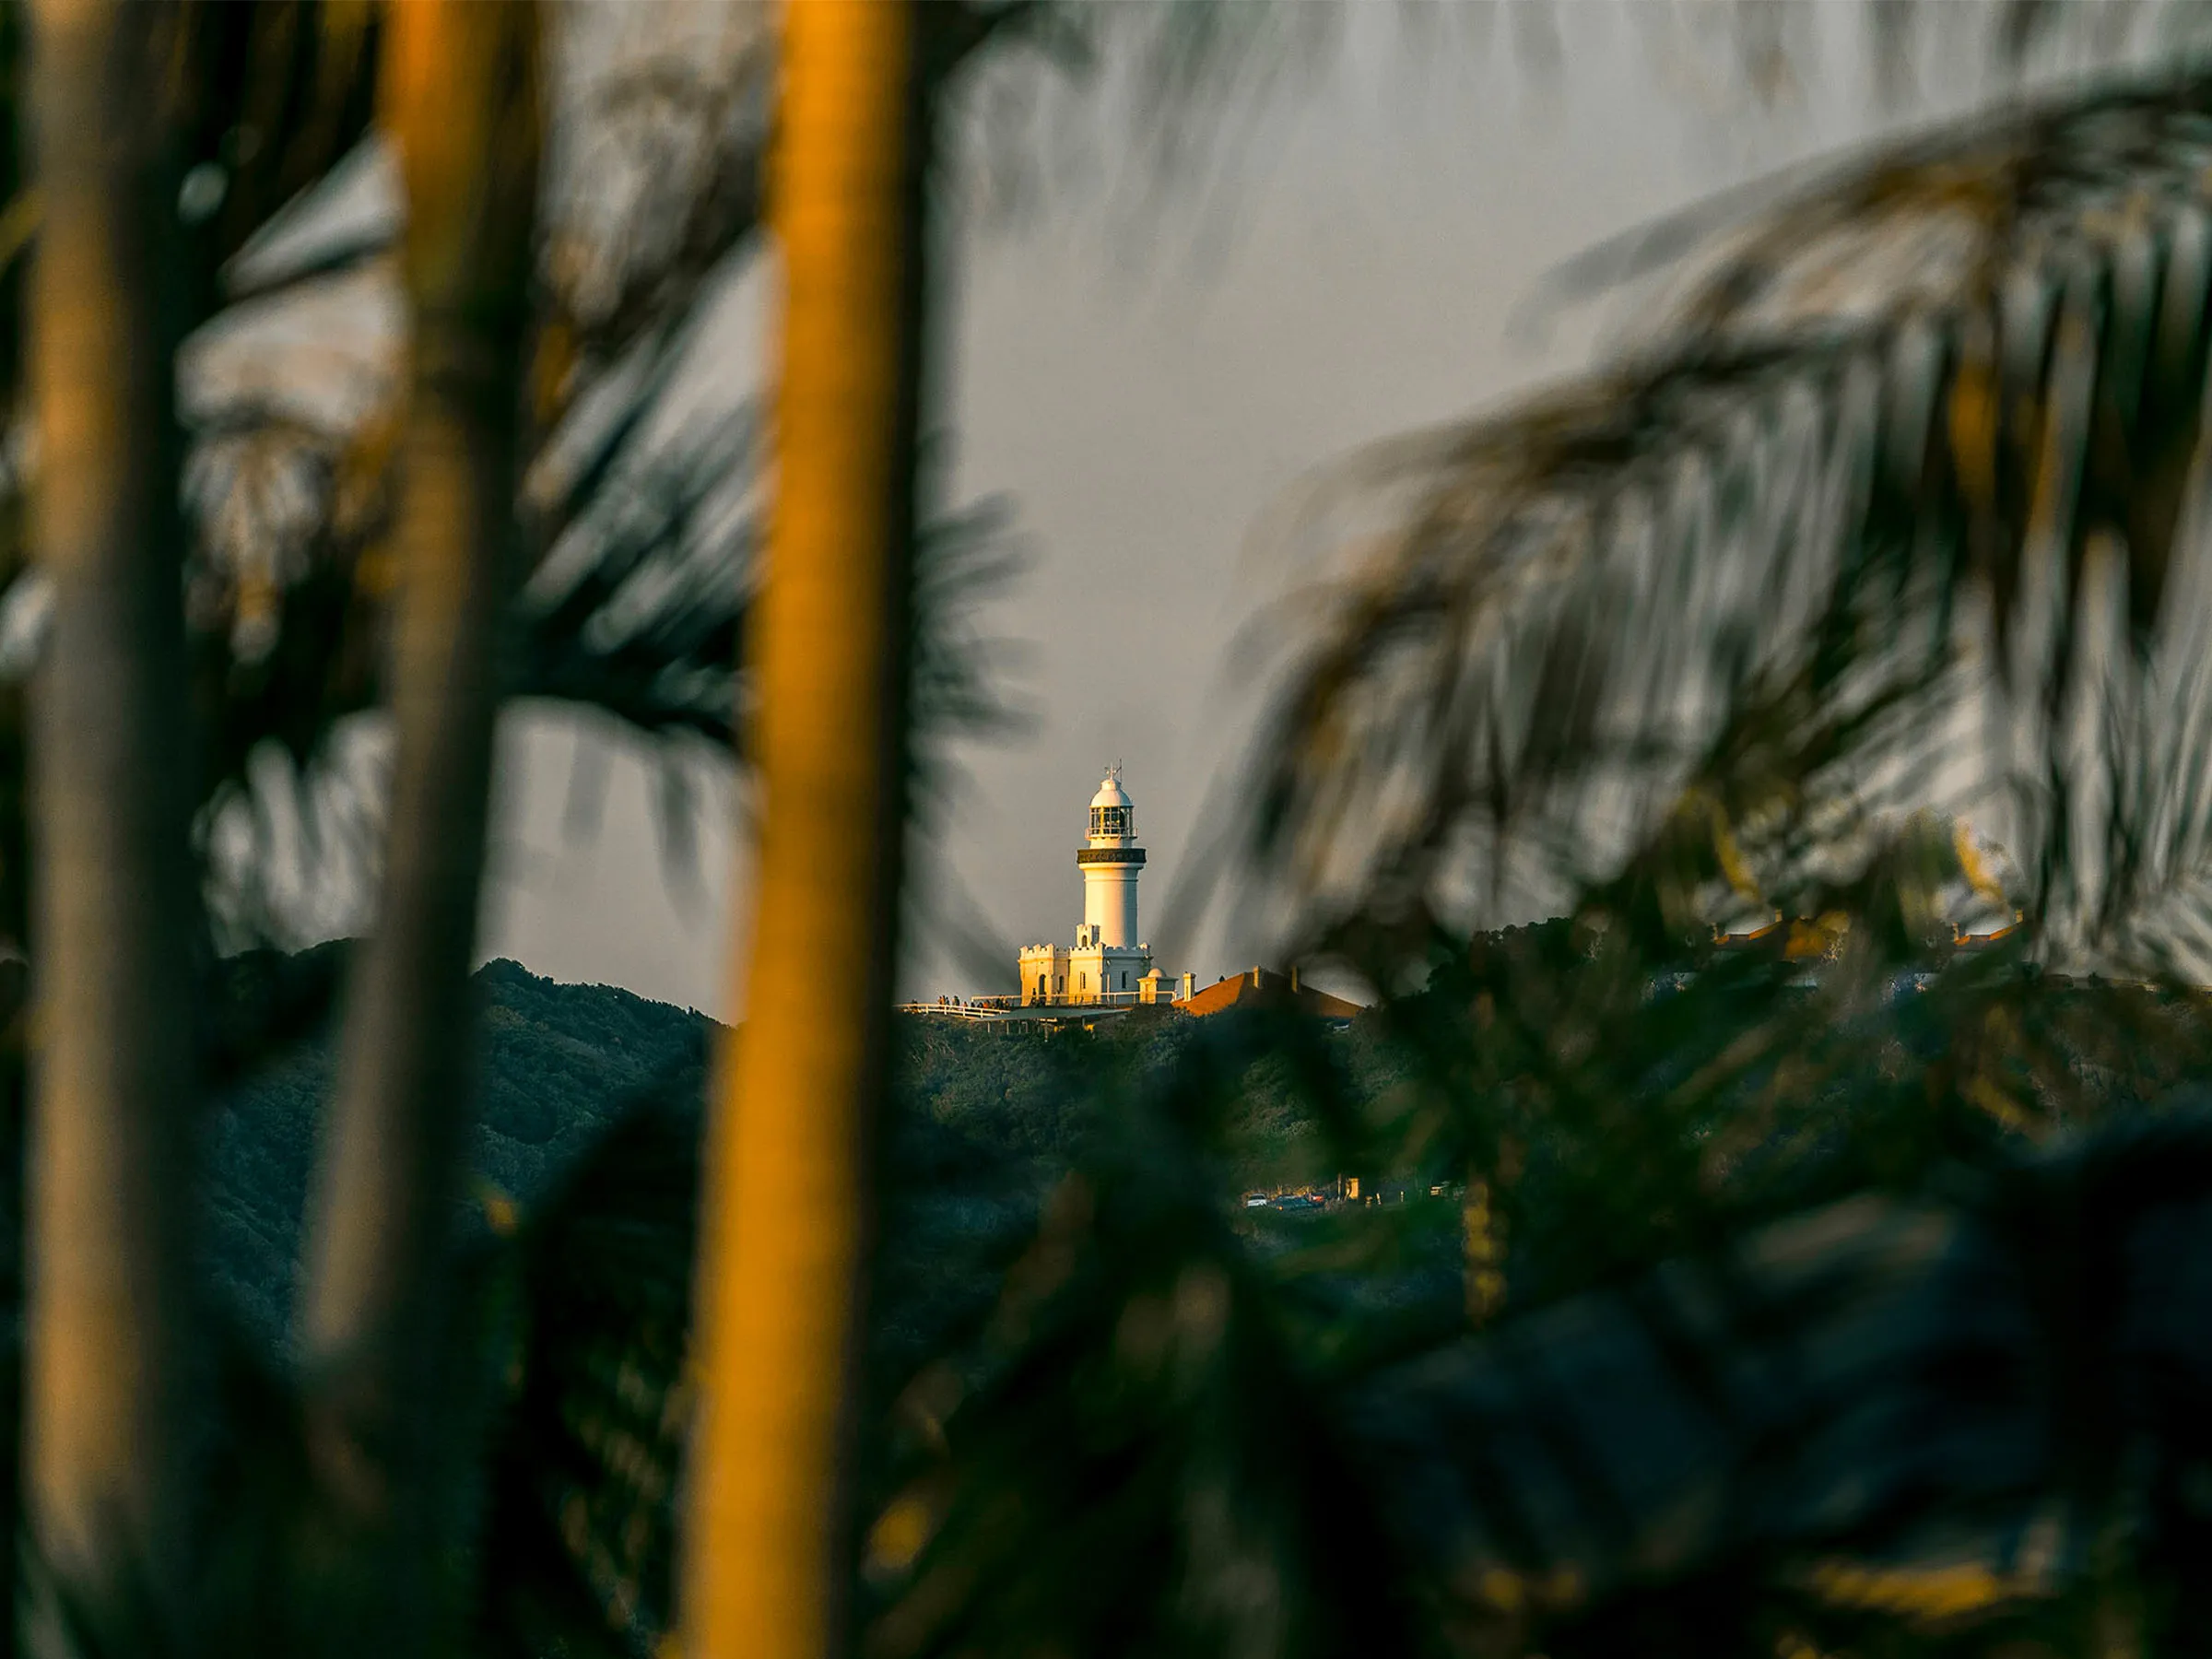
x,y
1111,864
1110,964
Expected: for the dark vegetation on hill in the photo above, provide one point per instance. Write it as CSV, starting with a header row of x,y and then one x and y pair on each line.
x,y
1572,1120
558,1064
1585,1150
986,1121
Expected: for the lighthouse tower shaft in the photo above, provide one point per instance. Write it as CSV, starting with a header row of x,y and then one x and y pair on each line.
x,y
1111,864
1110,902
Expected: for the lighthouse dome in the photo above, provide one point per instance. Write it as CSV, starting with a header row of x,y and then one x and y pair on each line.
x,y
1112,816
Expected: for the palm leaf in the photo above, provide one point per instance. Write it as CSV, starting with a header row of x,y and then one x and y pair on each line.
x,y
1923,440
1928,1382
1139,1449
583,1478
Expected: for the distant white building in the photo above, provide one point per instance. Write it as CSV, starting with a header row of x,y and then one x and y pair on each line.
x,y
1109,963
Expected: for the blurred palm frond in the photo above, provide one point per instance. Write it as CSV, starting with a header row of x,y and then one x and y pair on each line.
x,y
583,1474
1912,462
1141,1448
2000,1383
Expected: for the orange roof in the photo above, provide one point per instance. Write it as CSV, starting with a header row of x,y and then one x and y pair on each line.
x,y
1256,986
1818,937
1798,939
1739,941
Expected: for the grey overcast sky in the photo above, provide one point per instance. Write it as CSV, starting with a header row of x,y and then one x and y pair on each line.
x,y
1144,369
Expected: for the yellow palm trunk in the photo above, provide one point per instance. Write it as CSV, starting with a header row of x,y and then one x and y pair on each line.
x,y
459,97
107,1463
786,1197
